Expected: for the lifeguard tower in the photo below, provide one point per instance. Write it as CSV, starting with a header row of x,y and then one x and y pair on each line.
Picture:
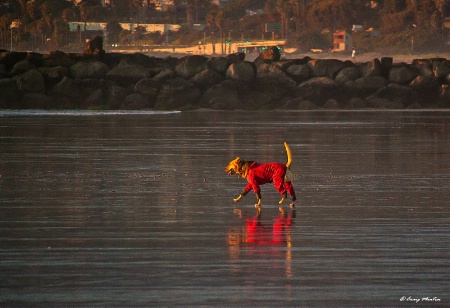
x,y
342,41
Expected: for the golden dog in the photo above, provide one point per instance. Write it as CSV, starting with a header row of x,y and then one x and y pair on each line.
x,y
258,174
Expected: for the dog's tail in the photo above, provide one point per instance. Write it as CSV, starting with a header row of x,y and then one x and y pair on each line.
x,y
289,155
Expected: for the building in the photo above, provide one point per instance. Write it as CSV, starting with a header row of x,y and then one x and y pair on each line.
x,y
342,41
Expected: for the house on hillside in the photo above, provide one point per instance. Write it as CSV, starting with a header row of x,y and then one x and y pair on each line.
x,y
342,41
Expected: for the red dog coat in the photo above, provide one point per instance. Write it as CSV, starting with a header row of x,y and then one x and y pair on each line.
x,y
259,174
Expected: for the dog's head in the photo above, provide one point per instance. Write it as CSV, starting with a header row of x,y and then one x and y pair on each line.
x,y
234,166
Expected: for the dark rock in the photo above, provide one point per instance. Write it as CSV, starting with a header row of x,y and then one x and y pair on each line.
x,y
298,72
115,96
273,82
206,79
53,75
88,86
364,86
332,104
10,94
427,88
95,98
371,68
402,74
386,64
347,74
397,93
382,103
242,73
89,70
9,59
356,103
66,88
318,90
237,57
440,68
222,96
164,75
127,74
37,101
58,58
218,64
22,67
326,67
135,101
148,87
31,81
190,66
176,93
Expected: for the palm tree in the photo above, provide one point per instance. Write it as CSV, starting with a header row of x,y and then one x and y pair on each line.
x,y
211,21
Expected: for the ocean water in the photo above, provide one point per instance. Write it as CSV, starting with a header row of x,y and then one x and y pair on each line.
x,y
132,209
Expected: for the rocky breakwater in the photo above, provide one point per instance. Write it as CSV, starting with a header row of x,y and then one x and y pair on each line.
x,y
136,81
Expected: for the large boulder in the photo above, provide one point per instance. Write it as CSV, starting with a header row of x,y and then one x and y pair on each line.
x,y
237,57
383,103
22,67
127,73
58,58
89,70
441,68
364,86
298,72
115,96
318,90
31,81
326,67
242,73
402,74
9,59
53,75
371,68
218,64
347,74
9,92
397,93
164,75
148,87
37,101
66,88
88,86
189,66
176,93
206,79
427,88
224,95
135,101
272,81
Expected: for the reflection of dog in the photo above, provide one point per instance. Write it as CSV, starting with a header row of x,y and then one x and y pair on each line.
x,y
258,174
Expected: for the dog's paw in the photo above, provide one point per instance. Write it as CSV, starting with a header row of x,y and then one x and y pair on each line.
x,y
237,199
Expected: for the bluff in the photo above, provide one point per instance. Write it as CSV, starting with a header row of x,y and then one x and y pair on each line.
x,y
59,80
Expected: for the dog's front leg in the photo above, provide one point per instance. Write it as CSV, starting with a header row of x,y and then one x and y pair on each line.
x,y
243,193
258,197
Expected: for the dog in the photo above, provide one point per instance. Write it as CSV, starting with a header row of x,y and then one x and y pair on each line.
x,y
258,174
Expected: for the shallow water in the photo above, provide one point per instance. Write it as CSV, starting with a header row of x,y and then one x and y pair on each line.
x,y
135,209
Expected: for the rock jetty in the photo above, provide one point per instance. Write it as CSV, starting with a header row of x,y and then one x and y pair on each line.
x,y
59,80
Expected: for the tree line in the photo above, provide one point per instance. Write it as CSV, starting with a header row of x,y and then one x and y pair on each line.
x,y
302,22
